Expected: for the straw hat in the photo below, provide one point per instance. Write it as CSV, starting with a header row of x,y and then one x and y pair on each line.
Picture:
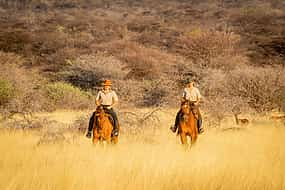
x,y
107,83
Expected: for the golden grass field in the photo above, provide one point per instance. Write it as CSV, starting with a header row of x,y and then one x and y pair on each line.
x,y
251,158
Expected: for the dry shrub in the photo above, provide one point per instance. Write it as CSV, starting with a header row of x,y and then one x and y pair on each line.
x,y
44,5
82,39
205,46
145,63
26,84
14,40
63,95
216,102
88,71
80,125
156,93
137,123
261,26
147,93
249,88
46,38
256,12
139,63
31,93
165,38
6,91
216,108
105,65
130,92
144,24
50,46
261,87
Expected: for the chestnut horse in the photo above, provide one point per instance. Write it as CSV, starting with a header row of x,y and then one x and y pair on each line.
x,y
102,128
188,122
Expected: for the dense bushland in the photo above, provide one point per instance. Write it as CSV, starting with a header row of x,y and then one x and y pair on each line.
x,y
54,54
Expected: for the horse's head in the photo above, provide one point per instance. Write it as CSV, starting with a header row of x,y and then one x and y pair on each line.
x,y
100,112
185,107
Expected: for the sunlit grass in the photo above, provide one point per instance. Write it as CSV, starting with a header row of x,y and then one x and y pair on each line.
x,y
252,158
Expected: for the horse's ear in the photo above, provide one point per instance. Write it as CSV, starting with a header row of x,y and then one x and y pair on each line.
x,y
184,102
98,108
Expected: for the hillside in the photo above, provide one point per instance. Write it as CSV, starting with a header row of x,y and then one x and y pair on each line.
x,y
54,54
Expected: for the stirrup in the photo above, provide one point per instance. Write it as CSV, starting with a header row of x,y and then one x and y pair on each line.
x,y
173,129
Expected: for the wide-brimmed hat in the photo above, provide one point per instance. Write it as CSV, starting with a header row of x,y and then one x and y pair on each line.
x,y
191,81
107,83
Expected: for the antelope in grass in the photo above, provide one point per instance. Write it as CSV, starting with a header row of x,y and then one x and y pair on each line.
x,y
239,121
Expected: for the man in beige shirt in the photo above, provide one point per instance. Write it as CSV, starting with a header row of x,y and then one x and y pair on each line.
x,y
106,98
192,94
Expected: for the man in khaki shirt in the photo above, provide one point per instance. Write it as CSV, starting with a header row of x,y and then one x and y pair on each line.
x,y
192,94
106,98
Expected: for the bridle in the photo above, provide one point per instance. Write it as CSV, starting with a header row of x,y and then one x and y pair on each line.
x,y
190,105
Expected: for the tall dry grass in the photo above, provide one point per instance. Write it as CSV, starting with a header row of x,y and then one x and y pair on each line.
x,y
252,158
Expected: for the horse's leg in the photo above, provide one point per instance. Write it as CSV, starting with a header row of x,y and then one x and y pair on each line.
x,y
183,138
95,140
115,140
193,138
108,140
194,135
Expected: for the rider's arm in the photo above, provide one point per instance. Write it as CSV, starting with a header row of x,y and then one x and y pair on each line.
x,y
198,96
114,99
198,101
184,95
114,103
97,100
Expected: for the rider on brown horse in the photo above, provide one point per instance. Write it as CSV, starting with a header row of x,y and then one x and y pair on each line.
x,y
192,94
106,98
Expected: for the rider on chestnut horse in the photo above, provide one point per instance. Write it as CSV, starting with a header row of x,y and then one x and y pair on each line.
x,y
192,94
106,98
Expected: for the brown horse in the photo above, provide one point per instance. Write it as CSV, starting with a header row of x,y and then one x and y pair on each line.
x,y
102,128
188,122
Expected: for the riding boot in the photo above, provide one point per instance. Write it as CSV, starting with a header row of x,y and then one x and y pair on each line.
x,y
174,128
90,126
199,125
115,131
